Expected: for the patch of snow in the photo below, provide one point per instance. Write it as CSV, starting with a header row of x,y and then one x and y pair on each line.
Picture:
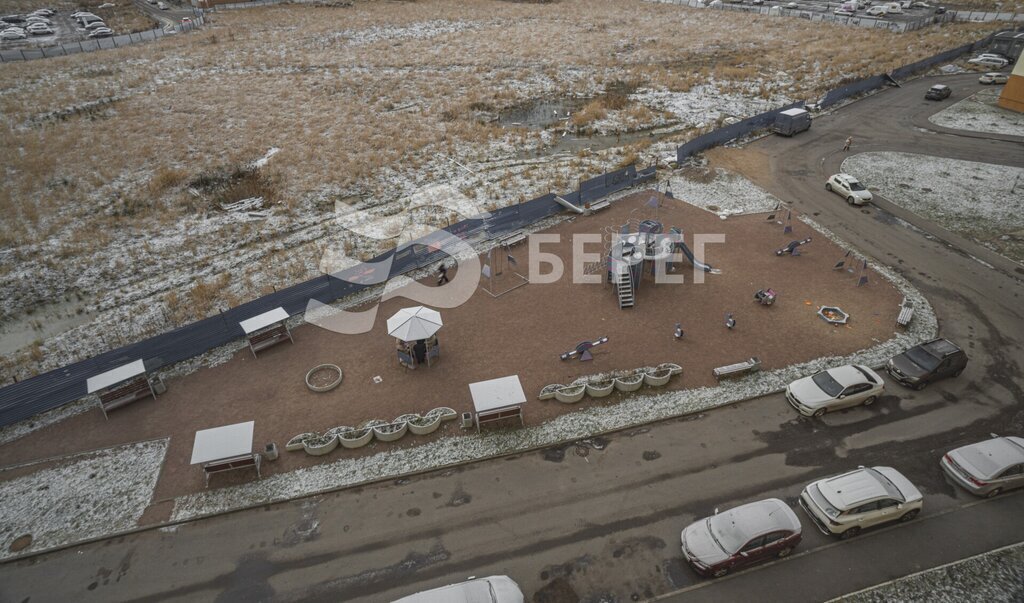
x,y
980,113
970,198
262,161
727,193
82,497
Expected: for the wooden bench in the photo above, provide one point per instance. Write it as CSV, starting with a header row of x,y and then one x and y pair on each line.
x,y
125,394
906,313
265,339
738,369
235,462
500,414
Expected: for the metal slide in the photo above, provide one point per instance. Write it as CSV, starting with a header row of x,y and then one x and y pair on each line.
x,y
681,246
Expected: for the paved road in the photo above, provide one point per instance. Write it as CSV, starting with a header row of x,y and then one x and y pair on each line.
x,y
590,524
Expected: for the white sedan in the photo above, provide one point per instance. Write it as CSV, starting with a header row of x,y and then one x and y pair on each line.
x,y
849,188
836,388
13,34
989,61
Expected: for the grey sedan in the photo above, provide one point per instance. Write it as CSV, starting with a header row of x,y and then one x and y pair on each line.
x,y
987,468
836,388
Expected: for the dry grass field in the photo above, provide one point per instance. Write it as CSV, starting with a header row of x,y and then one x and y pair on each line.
x,y
116,163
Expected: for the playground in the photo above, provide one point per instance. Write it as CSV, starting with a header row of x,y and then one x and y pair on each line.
x,y
522,332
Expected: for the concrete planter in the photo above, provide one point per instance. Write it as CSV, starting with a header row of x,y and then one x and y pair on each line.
x,y
425,425
296,442
600,389
657,378
320,445
670,366
331,384
447,414
389,432
571,394
356,438
629,383
548,391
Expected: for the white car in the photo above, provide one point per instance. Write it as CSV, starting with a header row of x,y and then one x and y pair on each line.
x,y
493,589
868,496
834,389
877,11
103,32
13,34
36,19
989,61
39,29
161,6
842,13
81,13
849,188
43,12
96,25
993,78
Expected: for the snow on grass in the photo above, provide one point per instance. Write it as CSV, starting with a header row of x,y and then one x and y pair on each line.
x,y
724,193
84,496
994,577
705,104
973,199
980,113
572,426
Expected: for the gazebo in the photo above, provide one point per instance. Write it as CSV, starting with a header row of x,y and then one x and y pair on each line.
x,y
415,332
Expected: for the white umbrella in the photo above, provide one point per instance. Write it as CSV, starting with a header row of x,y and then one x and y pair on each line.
x,y
412,324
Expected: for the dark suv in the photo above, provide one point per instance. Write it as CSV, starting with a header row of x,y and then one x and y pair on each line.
x,y
938,92
927,362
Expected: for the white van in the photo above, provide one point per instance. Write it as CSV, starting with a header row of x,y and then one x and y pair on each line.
x,y
494,589
893,8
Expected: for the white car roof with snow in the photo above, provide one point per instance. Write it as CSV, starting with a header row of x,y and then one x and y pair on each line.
x,y
992,457
847,375
852,489
794,112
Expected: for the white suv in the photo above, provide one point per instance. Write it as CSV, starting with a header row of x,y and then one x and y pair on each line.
x,y
849,188
847,503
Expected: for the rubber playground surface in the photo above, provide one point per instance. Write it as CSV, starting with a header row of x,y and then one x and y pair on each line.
x,y
520,333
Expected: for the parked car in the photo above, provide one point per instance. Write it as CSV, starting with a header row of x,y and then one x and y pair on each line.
x,y
493,589
877,11
39,29
989,61
940,10
38,19
987,468
992,55
845,504
791,5
927,362
13,19
921,5
757,2
161,5
840,12
80,13
43,12
893,8
13,34
849,188
716,545
993,77
834,389
103,32
96,25
938,92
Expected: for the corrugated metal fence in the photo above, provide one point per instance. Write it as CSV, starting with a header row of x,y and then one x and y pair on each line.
x,y
61,386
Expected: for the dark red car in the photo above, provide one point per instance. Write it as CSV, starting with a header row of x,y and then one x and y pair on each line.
x,y
717,545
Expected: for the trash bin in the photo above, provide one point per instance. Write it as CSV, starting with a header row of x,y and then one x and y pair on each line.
x,y
158,384
270,452
467,420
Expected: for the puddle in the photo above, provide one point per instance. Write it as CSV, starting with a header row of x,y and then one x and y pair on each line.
x,y
44,322
541,114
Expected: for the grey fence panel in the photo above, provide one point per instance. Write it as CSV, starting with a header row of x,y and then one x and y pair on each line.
x,y
723,135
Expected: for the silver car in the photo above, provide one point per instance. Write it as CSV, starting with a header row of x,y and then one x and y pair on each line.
x,y
493,589
987,468
849,188
845,504
834,389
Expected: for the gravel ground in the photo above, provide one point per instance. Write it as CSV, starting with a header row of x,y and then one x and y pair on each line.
x,y
981,201
80,497
980,113
573,426
993,577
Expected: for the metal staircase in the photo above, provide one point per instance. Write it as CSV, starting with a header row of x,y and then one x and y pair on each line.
x,y
624,288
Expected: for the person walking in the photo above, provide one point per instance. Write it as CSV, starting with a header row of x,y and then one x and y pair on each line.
x,y
849,141
442,275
